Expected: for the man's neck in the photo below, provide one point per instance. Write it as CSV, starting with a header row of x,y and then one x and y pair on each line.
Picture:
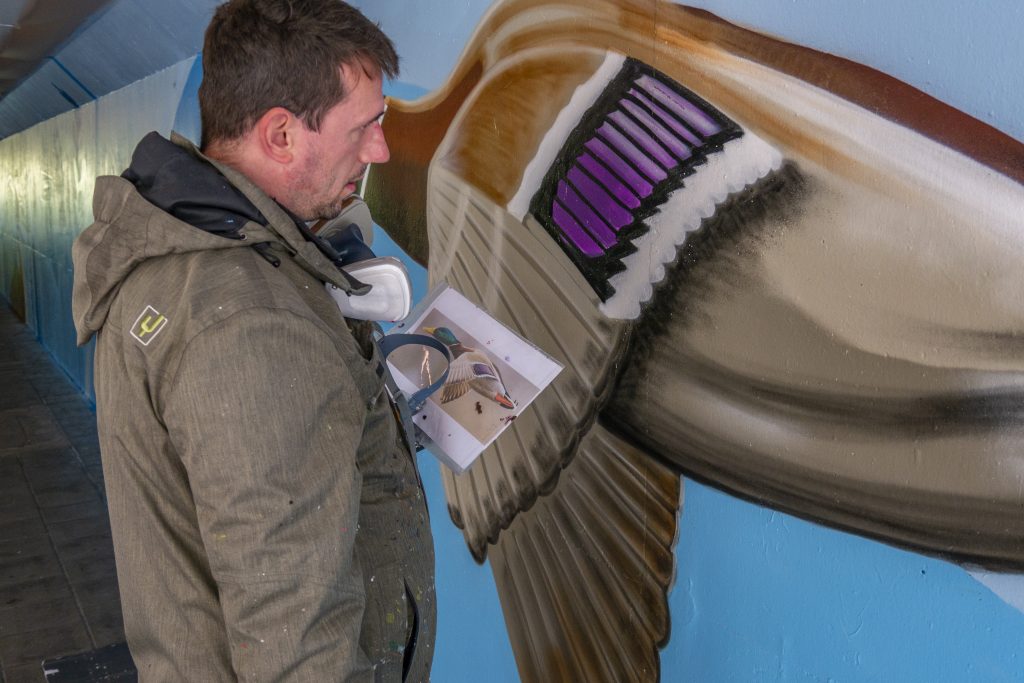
x,y
234,155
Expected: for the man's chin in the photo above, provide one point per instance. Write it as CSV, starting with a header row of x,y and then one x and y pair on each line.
x,y
331,210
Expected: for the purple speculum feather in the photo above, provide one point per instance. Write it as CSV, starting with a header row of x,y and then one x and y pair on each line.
x,y
631,149
482,370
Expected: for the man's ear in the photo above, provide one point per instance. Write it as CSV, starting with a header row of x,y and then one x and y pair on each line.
x,y
278,134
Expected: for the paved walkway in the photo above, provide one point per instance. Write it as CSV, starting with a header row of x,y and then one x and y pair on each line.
x,y
58,587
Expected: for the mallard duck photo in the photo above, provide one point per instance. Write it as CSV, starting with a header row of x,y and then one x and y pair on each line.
x,y
470,369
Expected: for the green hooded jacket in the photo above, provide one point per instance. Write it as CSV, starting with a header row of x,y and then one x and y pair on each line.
x,y
268,519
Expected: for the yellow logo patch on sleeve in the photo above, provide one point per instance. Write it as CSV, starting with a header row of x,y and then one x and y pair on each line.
x,y
148,325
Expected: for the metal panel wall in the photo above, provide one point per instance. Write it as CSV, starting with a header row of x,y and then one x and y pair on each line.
x,y
46,200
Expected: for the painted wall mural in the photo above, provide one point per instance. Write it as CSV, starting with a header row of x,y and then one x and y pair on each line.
x,y
757,594
770,269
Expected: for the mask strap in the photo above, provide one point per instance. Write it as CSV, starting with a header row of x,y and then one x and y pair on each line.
x,y
408,407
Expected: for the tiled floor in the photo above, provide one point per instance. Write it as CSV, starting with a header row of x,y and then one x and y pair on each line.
x,y
58,587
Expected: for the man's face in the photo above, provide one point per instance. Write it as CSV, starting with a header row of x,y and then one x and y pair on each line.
x,y
334,159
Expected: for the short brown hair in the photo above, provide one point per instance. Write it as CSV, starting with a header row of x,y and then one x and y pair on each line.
x,y
260,54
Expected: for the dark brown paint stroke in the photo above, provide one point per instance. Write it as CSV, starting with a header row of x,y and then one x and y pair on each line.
x,y
877,92
413,136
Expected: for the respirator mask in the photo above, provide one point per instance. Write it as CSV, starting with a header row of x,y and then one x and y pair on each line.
x,y
390,294
388,300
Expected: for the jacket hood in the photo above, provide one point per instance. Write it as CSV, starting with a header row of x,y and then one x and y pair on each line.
x,y
173,200
193,191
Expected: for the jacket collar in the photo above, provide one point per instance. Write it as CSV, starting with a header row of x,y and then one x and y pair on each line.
x,y
281,227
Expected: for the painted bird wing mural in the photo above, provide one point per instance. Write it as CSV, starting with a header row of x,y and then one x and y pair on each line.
x,y
777,271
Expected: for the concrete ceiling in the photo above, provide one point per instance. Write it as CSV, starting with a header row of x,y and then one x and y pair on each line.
x,y
32,30
56,55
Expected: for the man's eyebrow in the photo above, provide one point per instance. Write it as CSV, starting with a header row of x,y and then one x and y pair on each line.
x,y
375,117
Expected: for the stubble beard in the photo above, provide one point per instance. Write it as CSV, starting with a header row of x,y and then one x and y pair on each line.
x,y
327,210
310,207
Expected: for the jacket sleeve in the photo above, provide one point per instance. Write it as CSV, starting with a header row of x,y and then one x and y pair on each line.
x,y
267,421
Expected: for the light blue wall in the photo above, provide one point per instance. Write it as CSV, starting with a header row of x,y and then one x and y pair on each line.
x,y
763,596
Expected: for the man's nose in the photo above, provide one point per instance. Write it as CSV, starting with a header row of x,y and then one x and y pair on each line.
x,y
376,150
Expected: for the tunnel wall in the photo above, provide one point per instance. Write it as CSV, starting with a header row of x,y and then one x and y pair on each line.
x,y
49,172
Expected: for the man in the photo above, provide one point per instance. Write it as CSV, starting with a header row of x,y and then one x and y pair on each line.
x,y
268,519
